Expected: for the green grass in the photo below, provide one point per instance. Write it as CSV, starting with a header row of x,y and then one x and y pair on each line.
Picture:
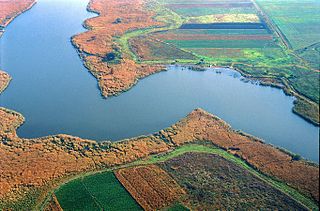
x,y
252,55
177,207
311,54
306,82
222,31
307,110
210,149
223,43
298,20
303,80
200,11
164,15
101,191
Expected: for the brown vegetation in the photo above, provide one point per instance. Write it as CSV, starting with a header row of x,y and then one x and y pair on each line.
x,y
214,183
4,80
26,164
11,9
200,125
150,186
10,121
117,72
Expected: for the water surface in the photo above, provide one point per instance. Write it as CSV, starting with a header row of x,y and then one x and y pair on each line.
x,y
56,94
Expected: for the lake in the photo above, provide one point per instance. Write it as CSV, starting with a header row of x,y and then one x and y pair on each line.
x,y
57,94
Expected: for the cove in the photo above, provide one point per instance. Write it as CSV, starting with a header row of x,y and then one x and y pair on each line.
x,y
56,94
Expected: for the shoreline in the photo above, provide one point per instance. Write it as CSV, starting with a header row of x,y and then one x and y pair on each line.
x,y
198,126
106,91
15,16
5,80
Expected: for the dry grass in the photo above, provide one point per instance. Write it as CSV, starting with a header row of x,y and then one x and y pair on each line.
x,y
151,187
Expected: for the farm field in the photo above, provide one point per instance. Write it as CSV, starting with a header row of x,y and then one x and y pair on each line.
x,y
153,49
188,44
64,156
198,163
152,187
226,33
97,192
213,183
179,180
297,20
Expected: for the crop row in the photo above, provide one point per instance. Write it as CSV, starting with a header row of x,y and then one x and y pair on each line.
x,y
223,43
101,191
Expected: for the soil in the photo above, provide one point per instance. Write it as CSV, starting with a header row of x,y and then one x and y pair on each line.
x,y
150,186
214,183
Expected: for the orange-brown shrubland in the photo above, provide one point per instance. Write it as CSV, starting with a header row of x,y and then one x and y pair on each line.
x,y
114,69
4,80
11,9
30,163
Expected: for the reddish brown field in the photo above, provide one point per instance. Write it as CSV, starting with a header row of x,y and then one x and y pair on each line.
x,y
150,186
4,80
115,18
173,36
26,164
148,48
12,8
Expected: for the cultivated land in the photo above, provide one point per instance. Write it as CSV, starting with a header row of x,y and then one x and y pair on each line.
x,y
141,35
152,187
215,183
101,191
209,178
241,35
30,168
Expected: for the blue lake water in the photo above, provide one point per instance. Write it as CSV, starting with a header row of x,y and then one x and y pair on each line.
x,y
57,94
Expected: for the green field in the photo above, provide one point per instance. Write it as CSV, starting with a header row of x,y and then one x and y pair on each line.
x,y
101,191
223,43
296,69
222,31
201,11
298,20
311,54
249,55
